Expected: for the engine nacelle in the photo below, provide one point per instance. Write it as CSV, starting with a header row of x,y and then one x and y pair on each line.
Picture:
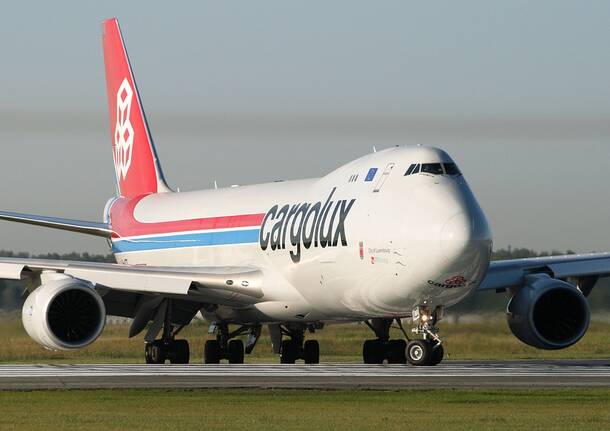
x,y
64,313
548,313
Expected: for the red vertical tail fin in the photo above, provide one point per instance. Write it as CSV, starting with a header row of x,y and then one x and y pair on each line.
x,y
137,167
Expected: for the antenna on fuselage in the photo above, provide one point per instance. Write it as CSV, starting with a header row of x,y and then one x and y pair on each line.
x,y
374,149
215,184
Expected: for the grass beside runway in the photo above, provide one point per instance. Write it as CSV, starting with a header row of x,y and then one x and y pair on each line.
x,y
294,410
486,339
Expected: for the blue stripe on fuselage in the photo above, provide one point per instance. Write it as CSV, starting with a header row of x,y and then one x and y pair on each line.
x,y
198,239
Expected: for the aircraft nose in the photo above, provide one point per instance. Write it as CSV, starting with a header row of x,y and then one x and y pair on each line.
x,y
465,236
456,235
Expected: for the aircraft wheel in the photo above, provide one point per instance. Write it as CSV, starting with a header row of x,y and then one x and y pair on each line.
x,y
397,352
158,352
289,352
236,352
311,353
418,352
148,353
179,352
211,352
372,352
437,354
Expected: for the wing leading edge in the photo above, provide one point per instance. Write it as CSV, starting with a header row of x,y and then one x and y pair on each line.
x,y
506,274
238,285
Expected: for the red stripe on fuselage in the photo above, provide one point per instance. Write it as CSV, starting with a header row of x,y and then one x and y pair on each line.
x,y
124,224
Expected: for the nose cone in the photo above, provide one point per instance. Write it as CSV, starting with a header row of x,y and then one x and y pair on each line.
x,y
454,244
465,236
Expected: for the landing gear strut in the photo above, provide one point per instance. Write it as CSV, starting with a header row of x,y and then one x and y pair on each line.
x,y
167,348
226,347
297,348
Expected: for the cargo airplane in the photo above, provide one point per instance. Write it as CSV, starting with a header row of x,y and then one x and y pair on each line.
x,y
394,236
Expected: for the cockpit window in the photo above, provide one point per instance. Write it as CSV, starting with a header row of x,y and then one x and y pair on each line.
x,y
432,168
410,170
451,169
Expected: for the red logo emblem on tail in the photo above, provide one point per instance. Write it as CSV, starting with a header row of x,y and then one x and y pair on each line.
x,y
123,131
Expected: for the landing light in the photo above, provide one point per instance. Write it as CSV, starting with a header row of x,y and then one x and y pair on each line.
x,y
422,313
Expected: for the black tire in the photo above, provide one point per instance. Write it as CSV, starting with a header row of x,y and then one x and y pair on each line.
x,y
148,353
211,352
397,352
179,352
372,352
236,352
437,354
418,352
288,353
311,352
158,352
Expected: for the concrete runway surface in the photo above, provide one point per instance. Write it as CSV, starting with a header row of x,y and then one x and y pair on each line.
x,y
455,374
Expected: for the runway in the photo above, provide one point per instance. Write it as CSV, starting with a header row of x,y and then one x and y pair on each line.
x,y
455,374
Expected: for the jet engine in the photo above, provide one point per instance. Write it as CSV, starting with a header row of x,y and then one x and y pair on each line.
x,y
548,313
64,313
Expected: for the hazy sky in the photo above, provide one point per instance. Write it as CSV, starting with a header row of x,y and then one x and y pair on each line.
x,y
241,92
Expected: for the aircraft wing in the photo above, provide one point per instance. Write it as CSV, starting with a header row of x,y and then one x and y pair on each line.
x,y
229,285
80,226
506,274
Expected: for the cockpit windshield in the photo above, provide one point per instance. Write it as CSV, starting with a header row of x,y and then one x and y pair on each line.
x,y
434,169
451,169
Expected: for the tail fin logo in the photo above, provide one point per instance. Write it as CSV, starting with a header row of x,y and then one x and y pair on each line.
x,y
123,131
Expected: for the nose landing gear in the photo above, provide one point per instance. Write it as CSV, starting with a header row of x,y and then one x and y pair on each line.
x,y
424,352
427,350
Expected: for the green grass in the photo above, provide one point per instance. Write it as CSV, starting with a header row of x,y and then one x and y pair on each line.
x,y
305,410
490,339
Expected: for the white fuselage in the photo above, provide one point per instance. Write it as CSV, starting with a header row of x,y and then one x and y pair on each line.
x,y
395,242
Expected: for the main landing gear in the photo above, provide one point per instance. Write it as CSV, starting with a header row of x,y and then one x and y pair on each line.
x,y
226,347
382,348
296,347
167,348
425,351
158,351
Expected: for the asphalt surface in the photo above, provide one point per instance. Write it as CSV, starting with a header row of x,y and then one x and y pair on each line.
x,y
454,374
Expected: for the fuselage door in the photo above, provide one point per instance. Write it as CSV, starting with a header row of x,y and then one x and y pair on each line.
x,y
381,181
